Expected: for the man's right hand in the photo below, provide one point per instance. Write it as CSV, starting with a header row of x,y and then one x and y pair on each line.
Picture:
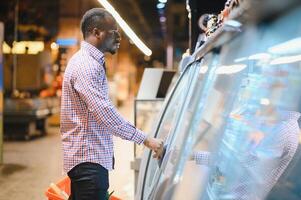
x,y
154,144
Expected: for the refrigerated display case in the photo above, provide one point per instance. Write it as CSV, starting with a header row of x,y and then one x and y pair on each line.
x,y
197,71
148,104
236,133
168,116
150,97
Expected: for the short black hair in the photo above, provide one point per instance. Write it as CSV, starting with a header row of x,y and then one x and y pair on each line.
x,y
94,18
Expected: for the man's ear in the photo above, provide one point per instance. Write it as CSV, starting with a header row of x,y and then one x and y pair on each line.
x,y
97,33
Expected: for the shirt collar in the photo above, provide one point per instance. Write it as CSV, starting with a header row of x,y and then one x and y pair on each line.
x,y
93,51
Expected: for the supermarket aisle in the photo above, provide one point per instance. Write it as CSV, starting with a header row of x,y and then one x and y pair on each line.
x,y
30,166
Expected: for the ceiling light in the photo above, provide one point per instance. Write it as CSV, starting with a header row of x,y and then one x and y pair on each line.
x,y
54,46
162,19
163,1
125,27
160,5
5,48
24,47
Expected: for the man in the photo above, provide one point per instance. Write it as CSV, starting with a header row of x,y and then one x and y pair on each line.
x,y
88,118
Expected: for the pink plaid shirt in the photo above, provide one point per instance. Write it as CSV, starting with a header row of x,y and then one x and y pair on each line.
x,y
88,118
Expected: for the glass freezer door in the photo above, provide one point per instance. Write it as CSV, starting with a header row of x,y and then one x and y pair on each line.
x,y
197,134
195,73
262,133
159,172
245,131
166,123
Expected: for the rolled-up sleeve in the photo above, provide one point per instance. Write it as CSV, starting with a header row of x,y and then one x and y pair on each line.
x,y
89,84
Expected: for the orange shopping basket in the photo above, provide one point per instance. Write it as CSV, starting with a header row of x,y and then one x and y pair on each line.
x,y
62,189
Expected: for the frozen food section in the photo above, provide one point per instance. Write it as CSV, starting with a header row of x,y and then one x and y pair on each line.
x,y
230,124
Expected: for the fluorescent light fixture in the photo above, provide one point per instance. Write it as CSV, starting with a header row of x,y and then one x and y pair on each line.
x,y
286,60
160,5
6,49
288,47
163,1
230,69
125,27
22,47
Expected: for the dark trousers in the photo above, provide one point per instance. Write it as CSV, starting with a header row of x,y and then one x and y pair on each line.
x,y
89,181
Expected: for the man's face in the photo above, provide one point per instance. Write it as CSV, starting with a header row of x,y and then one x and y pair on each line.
x,y
112,38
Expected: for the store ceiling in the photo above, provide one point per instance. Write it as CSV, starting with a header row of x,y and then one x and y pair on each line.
x,y
141,15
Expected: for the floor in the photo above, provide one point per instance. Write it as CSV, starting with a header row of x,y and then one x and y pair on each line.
x,y
30,166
